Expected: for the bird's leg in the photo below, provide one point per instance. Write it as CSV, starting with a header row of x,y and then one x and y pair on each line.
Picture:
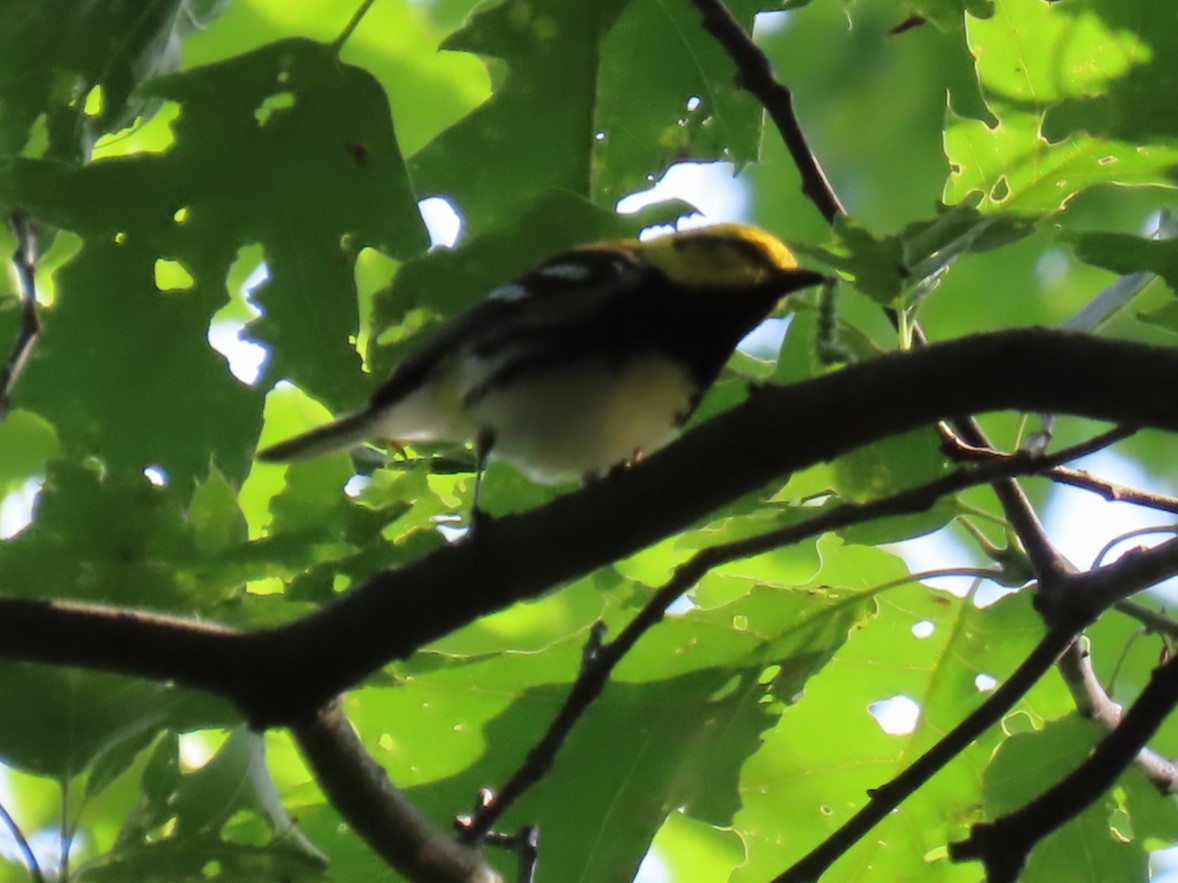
x,y
482,449
618,468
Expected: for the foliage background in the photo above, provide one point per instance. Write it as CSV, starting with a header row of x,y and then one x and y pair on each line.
x,y
740,732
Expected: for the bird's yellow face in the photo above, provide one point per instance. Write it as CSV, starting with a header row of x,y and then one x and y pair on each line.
x,y
723,255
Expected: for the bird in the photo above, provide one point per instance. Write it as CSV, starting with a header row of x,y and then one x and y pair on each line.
x,y
589,361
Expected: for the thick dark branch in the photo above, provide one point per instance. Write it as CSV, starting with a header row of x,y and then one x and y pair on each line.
x,y
756,75
601,662
1087,595
362,793
778,430
1003,845
135,642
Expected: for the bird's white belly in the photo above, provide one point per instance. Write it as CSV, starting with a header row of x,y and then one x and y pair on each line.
x,y
432,412
581,419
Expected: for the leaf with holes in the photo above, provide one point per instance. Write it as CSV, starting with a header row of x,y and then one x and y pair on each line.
x,y
1073,88
75,67
222,820
923,646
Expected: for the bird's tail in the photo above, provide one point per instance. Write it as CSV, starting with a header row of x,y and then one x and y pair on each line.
x,y
337,435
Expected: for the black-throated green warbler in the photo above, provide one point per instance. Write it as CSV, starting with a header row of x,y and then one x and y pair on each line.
x,y
588,360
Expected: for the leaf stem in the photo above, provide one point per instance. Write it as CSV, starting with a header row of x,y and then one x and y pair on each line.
x,y
350,27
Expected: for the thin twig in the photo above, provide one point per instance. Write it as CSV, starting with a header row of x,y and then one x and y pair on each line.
x,y
1089,594
1045,560
525,843
22,844
967,441
1004,844
25,261
600,663
1154,620
888,796
1075,665
756,76
353,23
1107,548
1114,493
1079,478
960,450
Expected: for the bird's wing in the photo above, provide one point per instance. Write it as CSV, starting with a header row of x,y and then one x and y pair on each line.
x,y
551,301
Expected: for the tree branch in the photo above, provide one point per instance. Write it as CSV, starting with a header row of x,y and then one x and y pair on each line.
x,y
888,796
1079,478
1094,703
377,811
1147,616
525,844
602,660
1045,560
756,76
1003,845
23,846
1114,493
1087,595
778,430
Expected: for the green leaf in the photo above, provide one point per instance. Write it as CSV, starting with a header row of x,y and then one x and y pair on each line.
x,y
603,132
875,265
27,442
224,817
682,712
1094,846
335,138
118,541
809,785
503,155
1118,98
333,118
1126,254
1068,85
77,66
894,464
1164,317
70,718
217,521
905,267
687,105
